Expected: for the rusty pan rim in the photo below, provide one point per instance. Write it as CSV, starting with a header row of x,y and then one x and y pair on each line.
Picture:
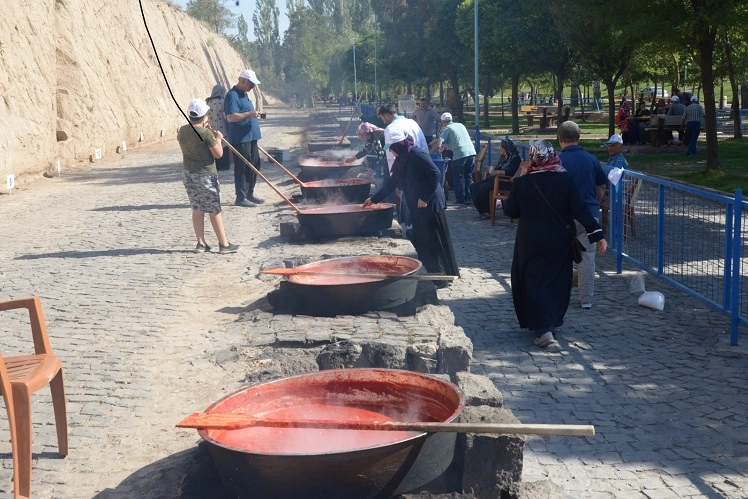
x,y
379,372
415,262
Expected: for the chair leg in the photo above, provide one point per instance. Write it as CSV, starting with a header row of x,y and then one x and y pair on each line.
x,y
22,406
492,210
61,418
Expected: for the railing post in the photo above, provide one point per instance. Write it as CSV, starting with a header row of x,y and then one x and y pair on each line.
x,y
727,274
618,220
737,243
661,230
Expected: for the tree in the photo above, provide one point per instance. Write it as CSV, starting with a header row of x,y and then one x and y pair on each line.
x,y
605,45
309,48
265,21
212,12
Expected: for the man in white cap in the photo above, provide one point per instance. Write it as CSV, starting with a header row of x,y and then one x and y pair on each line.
x,y
457,138
692,119
244,132
615,156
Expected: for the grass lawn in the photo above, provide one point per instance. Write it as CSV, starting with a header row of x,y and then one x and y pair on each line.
x,y
671,162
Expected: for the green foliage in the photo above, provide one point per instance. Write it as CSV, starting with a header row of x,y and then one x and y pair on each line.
x,y
265,21
212,12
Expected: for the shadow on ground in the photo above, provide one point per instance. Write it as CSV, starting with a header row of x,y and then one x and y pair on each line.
x,y
189,474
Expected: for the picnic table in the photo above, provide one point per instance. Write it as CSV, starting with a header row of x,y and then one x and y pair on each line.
x,y
541,113
660,127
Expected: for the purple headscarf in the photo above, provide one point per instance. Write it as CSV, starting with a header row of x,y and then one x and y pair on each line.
x,y
367,129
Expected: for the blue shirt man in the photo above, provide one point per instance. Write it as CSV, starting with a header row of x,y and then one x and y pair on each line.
x,y
590,180
244,132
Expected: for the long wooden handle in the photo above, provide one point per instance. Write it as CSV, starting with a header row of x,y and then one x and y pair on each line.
x,y
239,421
415,277
237,153
352,115
271,158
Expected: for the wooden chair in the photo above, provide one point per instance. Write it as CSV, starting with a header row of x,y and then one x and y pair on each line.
x,y
479,159
20,376
499,194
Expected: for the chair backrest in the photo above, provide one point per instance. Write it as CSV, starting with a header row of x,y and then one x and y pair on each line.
x,y
479,159
673,120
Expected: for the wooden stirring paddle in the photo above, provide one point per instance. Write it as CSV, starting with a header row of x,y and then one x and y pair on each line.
x,y
416,277
238,421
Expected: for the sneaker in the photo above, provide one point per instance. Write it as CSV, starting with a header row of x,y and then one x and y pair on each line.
x,y
202,248
586,306
230,248
245,203
544,340
255,200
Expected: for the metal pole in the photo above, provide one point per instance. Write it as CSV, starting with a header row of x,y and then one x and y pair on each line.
x,y
376,86
477,103
355,83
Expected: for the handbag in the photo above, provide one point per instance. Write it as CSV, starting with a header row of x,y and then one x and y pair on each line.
x,y
577,248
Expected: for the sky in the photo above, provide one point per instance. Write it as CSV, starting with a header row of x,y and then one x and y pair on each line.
x,y
247,8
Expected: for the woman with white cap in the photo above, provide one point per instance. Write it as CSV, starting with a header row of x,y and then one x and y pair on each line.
x,y
201,146
419,179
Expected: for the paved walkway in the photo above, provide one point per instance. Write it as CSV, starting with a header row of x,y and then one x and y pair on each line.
x,y
135,316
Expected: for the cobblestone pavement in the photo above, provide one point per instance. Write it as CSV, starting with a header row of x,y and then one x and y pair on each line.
x,y
133,313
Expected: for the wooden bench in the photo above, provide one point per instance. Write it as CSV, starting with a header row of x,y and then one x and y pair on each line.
x,y
660,125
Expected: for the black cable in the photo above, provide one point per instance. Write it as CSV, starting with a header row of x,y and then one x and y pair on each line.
x,y
140,2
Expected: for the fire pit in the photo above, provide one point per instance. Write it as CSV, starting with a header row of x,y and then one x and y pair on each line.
x,y
347,190
318,290
261,462
319,169
347,219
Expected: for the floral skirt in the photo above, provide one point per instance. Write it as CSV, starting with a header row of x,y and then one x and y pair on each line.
x,y
204,191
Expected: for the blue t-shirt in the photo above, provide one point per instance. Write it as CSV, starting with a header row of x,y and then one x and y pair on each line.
x,y
243,131
587,174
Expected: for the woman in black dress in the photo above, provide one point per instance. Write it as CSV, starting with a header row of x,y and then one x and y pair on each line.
x,y
506,167
418,178
546,202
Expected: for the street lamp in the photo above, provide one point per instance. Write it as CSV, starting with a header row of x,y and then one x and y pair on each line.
x,y
355,83
376,87
477,104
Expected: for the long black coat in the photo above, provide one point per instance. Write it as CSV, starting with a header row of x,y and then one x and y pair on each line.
x,y
421,180
542,262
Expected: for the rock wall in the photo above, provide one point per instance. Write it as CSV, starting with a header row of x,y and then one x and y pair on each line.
x,y
80,76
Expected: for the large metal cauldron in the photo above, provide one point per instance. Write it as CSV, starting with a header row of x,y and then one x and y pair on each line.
x,y
283,463
344,190
331,295
347,219
320,169
326,146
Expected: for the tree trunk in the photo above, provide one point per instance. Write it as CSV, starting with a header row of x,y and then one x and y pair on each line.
x,y
744,94
732,77
486,91
705,54
514,103
559,94
611,86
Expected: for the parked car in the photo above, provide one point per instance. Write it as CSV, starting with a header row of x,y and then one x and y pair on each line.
x,y
648,92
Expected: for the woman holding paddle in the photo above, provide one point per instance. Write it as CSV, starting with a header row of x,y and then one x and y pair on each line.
x,y
200,147
418,177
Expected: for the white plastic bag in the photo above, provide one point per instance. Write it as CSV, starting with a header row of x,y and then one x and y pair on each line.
x,y
614,175
637,283
652,299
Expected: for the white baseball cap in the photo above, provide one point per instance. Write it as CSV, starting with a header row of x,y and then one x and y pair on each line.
x,y
250,75
197,109
446,117
614,139
675,98
393,135
694,98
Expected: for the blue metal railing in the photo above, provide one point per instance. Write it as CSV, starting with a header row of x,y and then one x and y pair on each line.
x,y
687,236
